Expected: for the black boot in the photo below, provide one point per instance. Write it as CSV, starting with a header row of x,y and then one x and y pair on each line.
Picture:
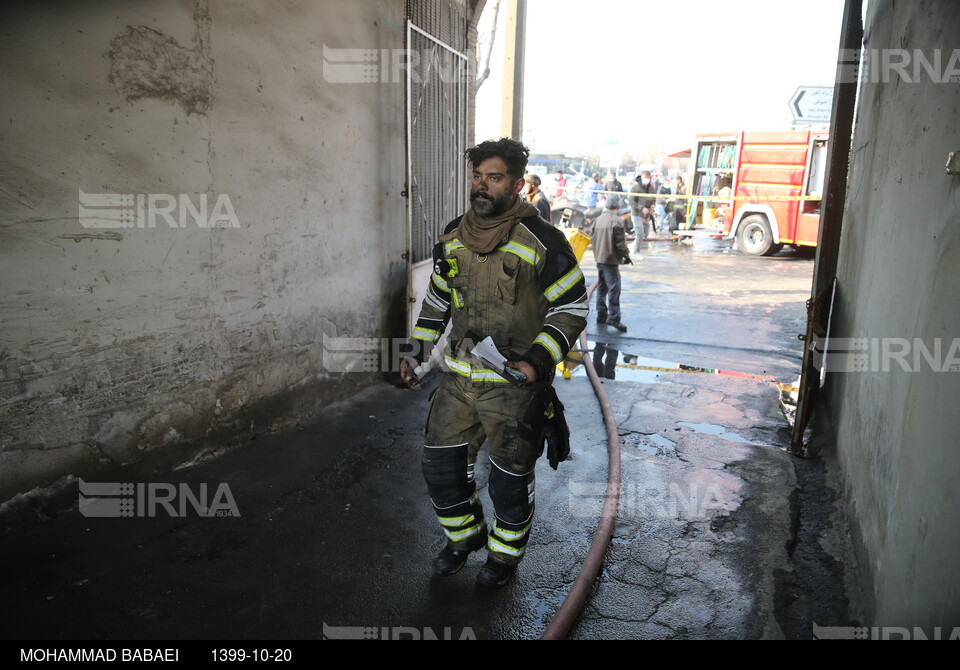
x,y
619,326
449,560
493,575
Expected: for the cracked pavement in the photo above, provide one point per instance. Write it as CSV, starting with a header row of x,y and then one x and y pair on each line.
x,y
336,531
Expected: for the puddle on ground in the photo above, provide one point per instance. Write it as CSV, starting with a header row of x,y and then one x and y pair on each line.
x,y
714,429
540,606
659,441
611,363
646,448
653,444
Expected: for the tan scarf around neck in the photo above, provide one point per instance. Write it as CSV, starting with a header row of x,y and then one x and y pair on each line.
x,y
482,235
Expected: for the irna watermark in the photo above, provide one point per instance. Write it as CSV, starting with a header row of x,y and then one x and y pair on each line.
x,y
889,354
694,502
396,633
909,66
147,210
120,499
840,354
392,66
884,633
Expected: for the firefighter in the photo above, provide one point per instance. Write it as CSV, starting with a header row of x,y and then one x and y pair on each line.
x,y
503,272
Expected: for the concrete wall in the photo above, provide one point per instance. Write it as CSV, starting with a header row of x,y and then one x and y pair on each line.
x,y
147,345
896,430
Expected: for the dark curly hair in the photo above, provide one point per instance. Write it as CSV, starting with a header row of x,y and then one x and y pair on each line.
x,y
513,153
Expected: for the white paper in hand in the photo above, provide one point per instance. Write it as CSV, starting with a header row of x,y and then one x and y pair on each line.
x,y
486,351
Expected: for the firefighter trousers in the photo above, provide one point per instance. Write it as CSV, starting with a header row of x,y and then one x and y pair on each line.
x,y
460,419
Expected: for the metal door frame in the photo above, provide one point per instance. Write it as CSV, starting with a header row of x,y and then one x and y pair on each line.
x,y
820,304
452,186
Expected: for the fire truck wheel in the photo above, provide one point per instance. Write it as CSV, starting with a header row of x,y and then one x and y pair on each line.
x,y
755,238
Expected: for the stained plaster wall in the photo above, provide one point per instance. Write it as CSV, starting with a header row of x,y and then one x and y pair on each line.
x,y
147,346
898,282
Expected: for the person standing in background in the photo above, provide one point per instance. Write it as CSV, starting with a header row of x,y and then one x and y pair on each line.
x,y
561,190
536,197
612,184
678,217
592,191
641,209
664,189
610,251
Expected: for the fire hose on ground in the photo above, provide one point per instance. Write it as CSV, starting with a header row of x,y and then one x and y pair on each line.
x,y
576,598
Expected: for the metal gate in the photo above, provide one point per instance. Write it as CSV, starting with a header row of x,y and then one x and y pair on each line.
x,y
438,82
820,305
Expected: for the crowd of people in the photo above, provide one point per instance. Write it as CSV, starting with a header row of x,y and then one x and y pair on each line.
x,y
648,215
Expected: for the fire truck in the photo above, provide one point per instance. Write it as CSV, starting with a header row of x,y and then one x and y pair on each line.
x,y
764,185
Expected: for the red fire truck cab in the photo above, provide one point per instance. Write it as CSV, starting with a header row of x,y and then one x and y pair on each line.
x,y
765,173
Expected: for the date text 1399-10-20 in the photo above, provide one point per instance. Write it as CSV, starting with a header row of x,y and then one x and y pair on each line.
x,y
254,655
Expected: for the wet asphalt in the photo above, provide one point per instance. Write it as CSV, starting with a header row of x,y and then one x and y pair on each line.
x,y
335,532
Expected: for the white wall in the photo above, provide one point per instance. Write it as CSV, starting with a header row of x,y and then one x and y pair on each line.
x,y
896,431
115,343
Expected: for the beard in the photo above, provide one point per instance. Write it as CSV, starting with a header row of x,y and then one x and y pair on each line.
x,y
485,206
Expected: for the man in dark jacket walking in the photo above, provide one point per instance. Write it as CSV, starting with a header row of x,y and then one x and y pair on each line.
x,y
610,251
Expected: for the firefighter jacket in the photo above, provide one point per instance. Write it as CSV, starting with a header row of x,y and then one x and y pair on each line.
x,y
528,295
